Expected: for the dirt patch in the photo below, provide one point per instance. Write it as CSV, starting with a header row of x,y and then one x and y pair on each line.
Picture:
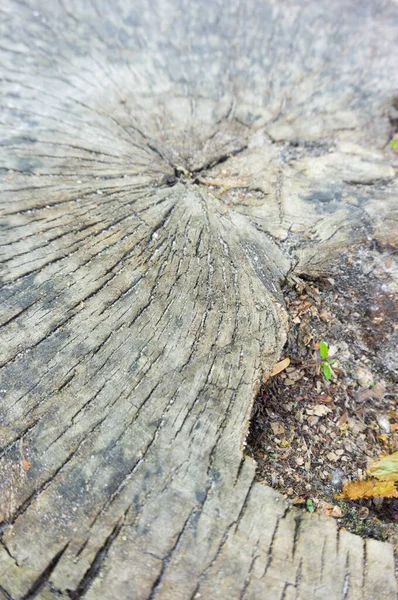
x,y
309,435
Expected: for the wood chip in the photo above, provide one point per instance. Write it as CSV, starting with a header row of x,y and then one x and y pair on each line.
x,y
280,366
298,500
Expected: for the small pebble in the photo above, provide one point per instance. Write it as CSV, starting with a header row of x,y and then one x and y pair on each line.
x,y
337,513
337,478
384,423
363,376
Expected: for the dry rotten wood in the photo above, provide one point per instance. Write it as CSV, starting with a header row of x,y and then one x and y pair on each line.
x,y
165,167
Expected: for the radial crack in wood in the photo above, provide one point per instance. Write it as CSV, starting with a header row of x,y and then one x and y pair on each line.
x,y
165,167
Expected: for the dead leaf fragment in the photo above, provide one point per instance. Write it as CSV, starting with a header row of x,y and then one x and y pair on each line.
x,y
298,500
386,469
332,456
383,422
278,428
25,465
343,419
368,489
363,376
325,508
280,366
325,399
319,410
377,391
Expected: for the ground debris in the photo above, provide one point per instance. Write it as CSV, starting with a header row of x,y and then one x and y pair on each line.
x,y
311,437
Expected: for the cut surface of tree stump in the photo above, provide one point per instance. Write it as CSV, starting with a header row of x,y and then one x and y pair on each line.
x,y
165,167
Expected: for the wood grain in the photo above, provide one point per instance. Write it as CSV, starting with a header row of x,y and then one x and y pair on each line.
x,y
165,166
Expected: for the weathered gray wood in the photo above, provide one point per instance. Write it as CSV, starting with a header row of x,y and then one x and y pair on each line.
x,y
139,317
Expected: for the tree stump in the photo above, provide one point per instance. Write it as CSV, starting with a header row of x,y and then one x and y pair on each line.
x,y
165,167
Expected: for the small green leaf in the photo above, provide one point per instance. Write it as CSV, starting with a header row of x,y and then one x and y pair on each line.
x,y
310,505
323,349
327,371
394,144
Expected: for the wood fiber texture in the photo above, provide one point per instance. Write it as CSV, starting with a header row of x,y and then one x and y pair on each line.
x,y
165,167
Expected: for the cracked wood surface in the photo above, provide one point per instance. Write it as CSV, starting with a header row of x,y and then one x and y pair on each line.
x,y
165,166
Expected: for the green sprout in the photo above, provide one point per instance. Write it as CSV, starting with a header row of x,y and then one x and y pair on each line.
x,y
325,363
310,505
394,144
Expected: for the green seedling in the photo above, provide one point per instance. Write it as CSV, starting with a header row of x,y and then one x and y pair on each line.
x,y
310,505
394,144
326,362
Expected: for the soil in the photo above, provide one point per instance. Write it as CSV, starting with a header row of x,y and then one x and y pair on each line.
x,y
310,436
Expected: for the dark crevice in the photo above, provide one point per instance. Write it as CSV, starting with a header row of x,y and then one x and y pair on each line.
x,y
393,117
241,464
78,553
187,176
93,570
346,586
43,577
298,576
36,492
297,526
214,163
364,563
67,380
166,560
213,560
284,591
271,546
244,505
4,545
6,594
249,574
